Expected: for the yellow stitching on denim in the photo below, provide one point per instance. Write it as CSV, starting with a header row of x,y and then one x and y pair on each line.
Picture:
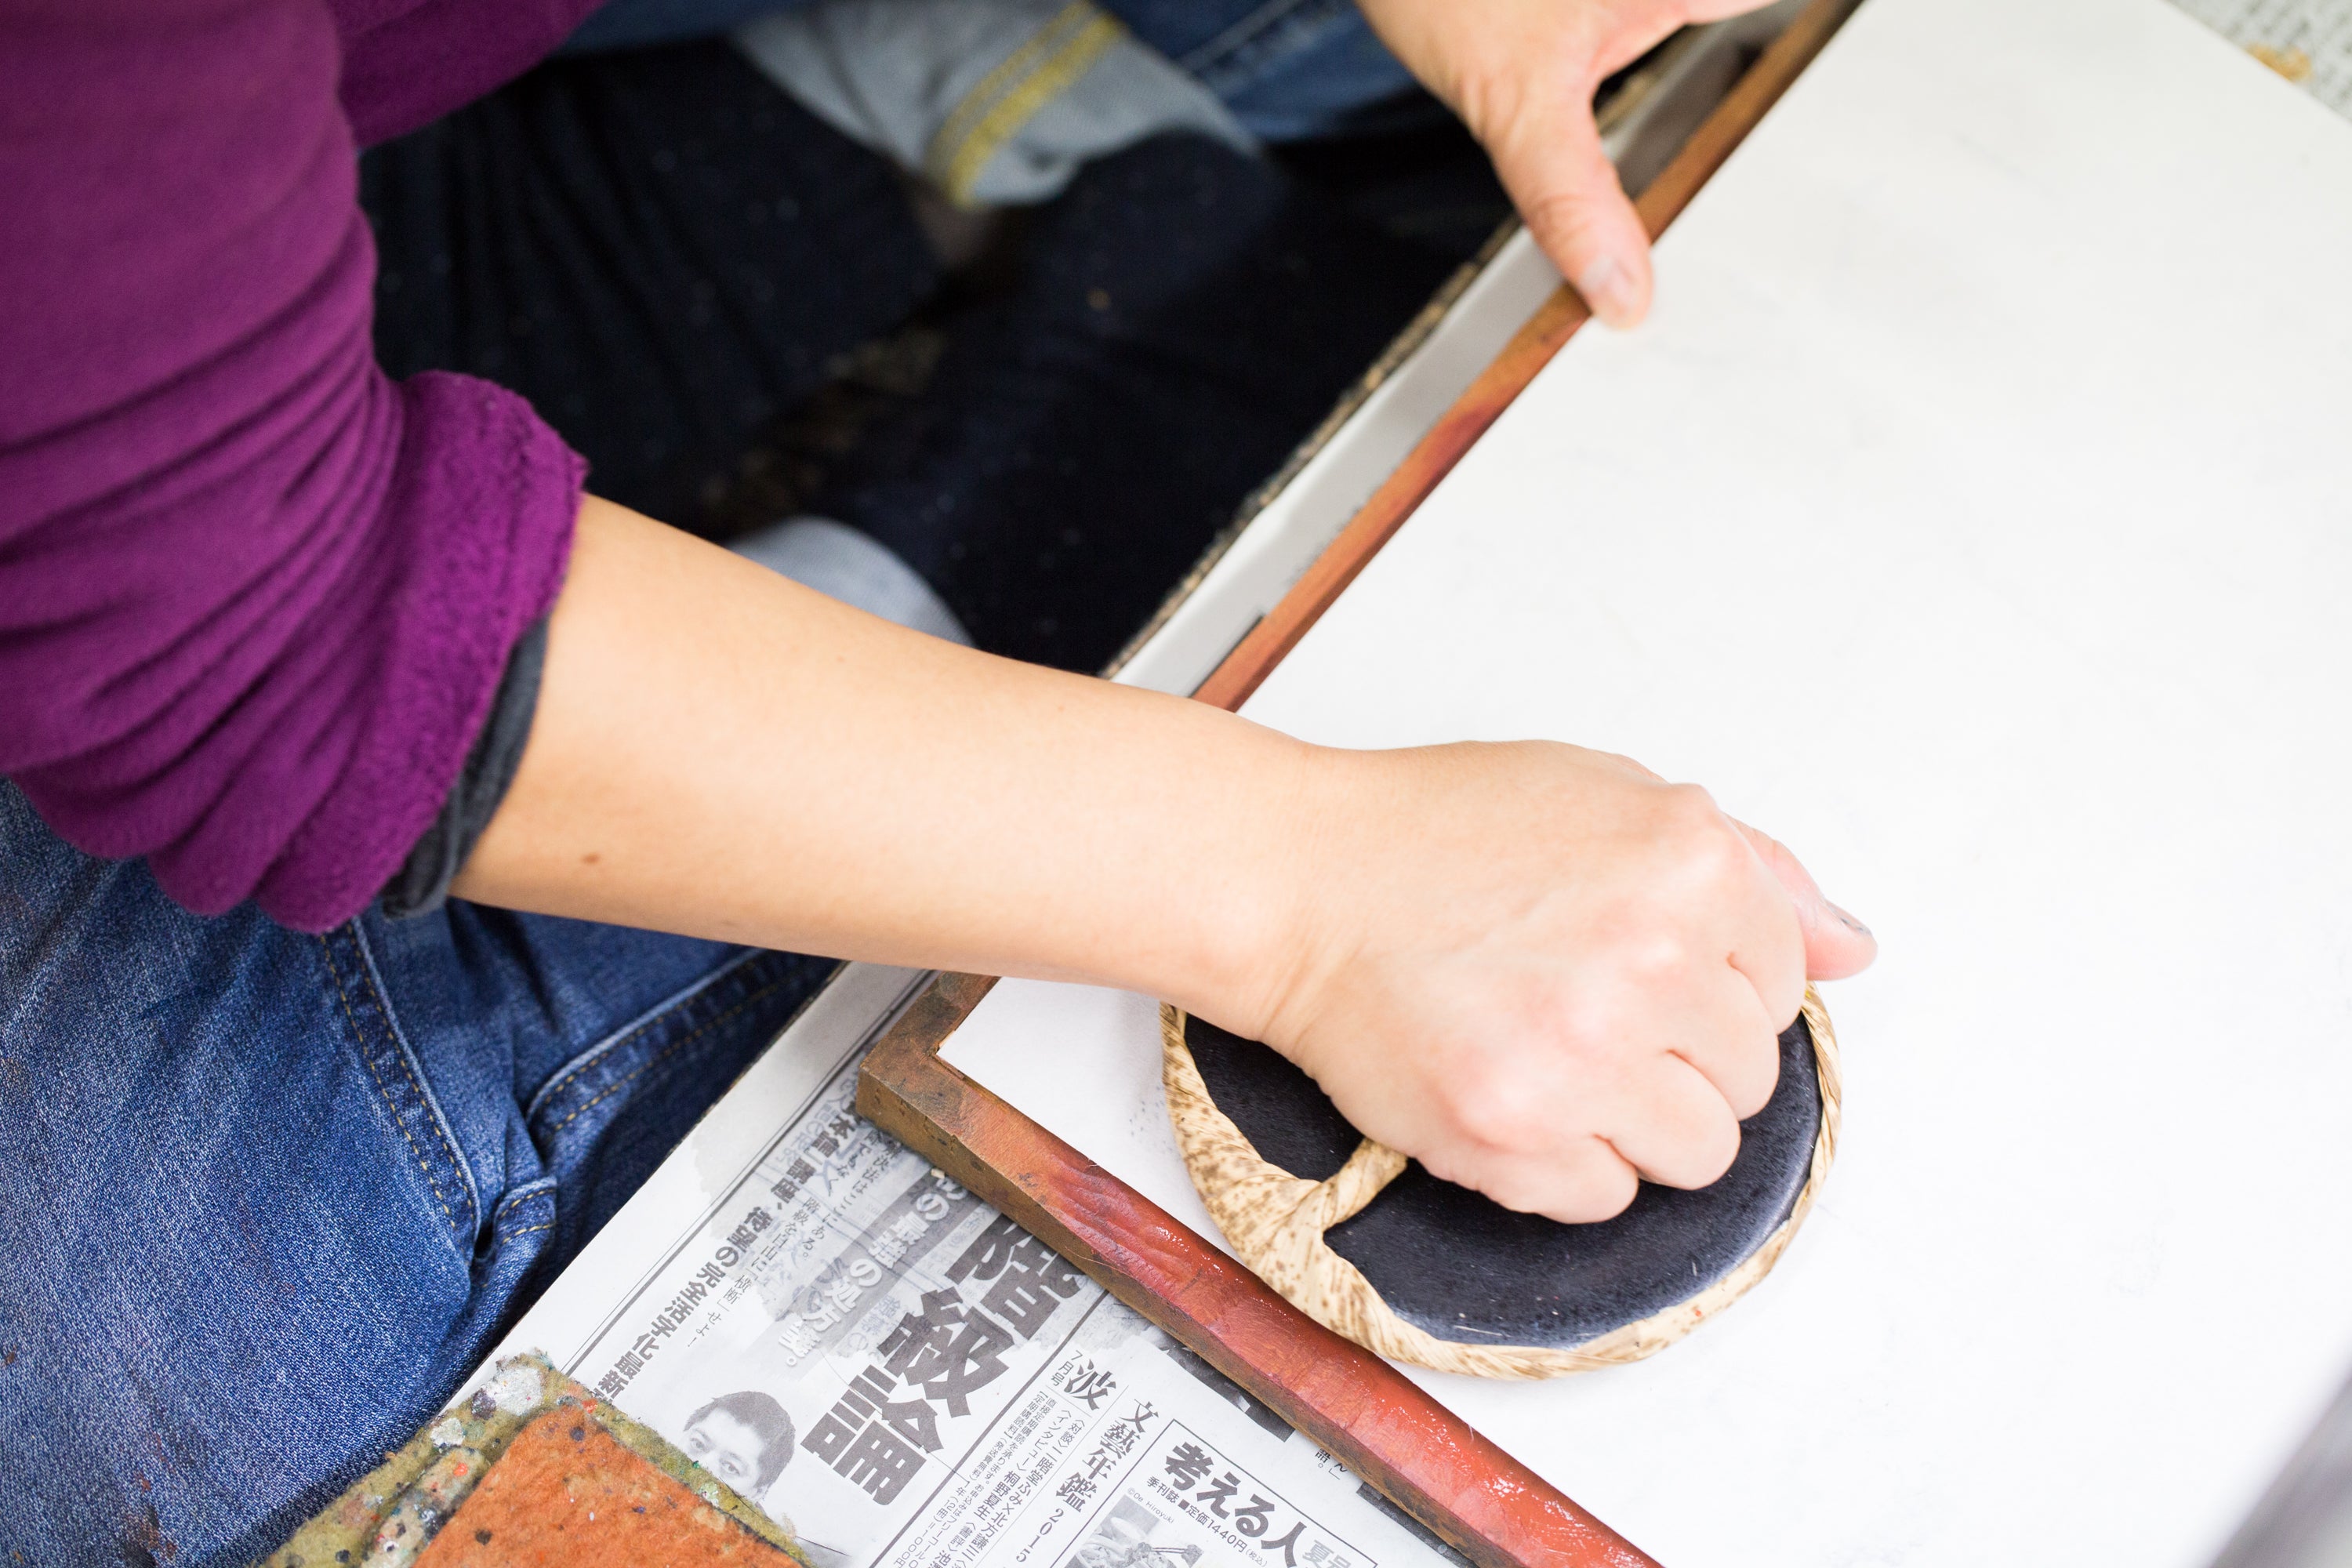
x,y
343,995
670,1050
989,87
958,163
527,1230
1017,108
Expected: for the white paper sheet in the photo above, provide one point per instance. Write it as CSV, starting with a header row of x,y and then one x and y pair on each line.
x,y
1972,515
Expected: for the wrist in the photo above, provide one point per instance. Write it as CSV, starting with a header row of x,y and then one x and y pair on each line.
x,y
1272,939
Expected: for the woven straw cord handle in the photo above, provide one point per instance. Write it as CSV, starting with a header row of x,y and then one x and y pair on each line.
x,y
1276,1222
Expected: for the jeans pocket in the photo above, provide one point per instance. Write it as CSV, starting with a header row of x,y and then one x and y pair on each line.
x,y
421,1132
611,1115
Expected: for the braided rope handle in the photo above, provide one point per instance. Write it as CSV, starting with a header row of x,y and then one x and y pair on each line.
x,y
1276,1222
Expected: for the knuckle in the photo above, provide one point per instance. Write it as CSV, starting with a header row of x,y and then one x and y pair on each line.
x,y
1473,1095
1784,991
1602,1190
1494,1115
1656,959
1516,1193
1595,1034
1691,805
1705,846
1759,1077
1702,1141
1568,217
1586,1191
1715,1151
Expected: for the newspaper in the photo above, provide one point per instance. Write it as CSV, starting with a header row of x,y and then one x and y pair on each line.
x,y
2309,42
907,1378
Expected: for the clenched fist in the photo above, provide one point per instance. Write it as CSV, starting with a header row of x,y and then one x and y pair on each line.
x,y
1545,972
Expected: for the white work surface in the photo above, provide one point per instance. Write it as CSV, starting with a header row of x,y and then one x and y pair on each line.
x,y
1973,516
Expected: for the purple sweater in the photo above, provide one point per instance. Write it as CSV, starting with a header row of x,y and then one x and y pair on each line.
x,y
255,596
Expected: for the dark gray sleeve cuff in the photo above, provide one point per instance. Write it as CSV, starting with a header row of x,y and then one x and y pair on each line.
x,y
423,881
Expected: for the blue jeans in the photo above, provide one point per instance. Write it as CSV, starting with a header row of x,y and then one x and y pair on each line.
x,y
1287,68
264,1199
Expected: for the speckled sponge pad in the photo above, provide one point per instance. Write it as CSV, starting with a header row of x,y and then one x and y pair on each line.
x,y
565,1495
529,1467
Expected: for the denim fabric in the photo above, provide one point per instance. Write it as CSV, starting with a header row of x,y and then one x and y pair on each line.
x,y
265,1198
658,249
1287,68
1184,314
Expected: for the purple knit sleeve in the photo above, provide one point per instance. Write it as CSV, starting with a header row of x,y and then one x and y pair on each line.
x,y
255,597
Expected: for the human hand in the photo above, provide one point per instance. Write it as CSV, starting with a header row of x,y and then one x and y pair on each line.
x,y
1538,970
1543,972
1521,74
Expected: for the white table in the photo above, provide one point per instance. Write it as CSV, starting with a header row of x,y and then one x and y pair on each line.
x,y
1972,515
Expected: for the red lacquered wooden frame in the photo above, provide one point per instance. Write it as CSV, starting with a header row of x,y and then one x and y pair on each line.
x,y
1359,1407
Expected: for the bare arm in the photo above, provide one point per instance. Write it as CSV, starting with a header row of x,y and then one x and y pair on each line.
x,y
721,752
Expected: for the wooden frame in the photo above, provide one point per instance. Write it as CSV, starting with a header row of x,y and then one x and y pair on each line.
x,y
1358,1407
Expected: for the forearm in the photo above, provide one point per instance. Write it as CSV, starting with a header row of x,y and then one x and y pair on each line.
x,y
722,753
1537,968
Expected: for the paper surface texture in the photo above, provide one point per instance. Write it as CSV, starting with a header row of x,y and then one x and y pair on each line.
x,y
2309,42
1971,516
906,1378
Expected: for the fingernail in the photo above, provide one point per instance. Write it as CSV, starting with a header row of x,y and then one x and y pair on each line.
x,y
1608,287
1851,923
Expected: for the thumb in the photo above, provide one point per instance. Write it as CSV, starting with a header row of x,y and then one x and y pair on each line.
x,y
1836,945
1551,160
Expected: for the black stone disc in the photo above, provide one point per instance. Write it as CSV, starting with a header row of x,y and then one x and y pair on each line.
x,y
1461,1267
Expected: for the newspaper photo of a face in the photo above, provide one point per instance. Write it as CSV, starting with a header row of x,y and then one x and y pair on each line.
x,y
905,1378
